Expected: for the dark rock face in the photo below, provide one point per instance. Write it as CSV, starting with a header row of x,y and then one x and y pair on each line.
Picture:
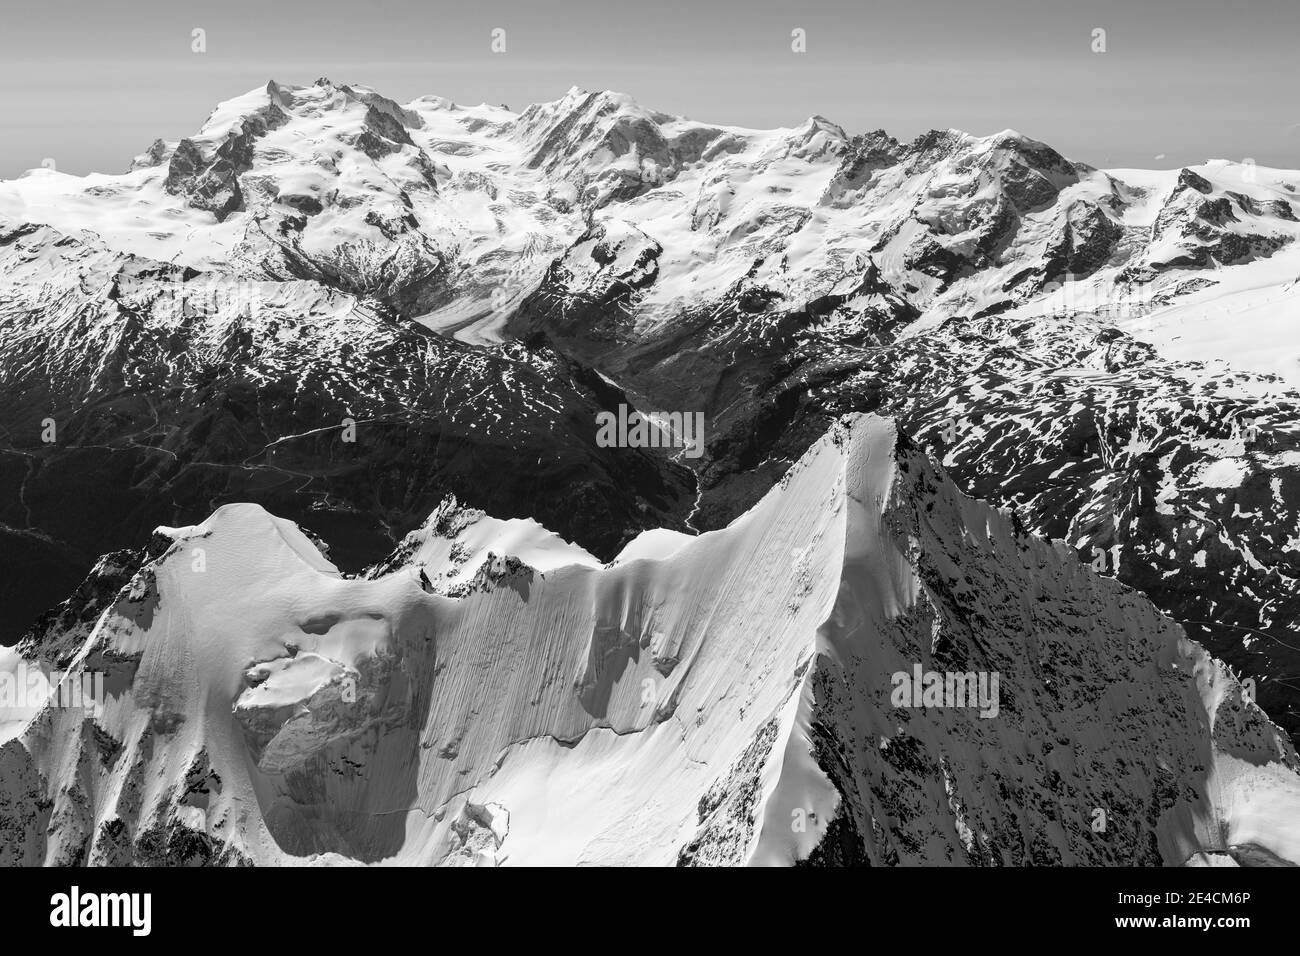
x,y
1086,243
864,156
24,808
726,811
212,183
60,632
1190,180
153,156
1022,616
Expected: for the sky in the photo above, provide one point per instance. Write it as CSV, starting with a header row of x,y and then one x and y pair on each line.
x,y
87,84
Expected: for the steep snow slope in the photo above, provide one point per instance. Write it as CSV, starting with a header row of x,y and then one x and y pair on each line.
x,y
727,704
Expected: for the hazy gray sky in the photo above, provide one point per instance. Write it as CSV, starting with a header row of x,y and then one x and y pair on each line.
x,y
90,83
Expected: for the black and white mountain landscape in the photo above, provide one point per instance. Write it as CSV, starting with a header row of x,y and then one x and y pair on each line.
x,y
988,552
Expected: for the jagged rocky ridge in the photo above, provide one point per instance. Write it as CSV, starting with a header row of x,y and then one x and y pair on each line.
x,y
266,709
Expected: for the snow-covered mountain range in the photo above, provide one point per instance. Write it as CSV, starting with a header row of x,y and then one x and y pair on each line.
x,y
721,699
354,314
452,213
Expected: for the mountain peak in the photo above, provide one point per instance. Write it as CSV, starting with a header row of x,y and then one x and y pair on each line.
x,y
864,564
